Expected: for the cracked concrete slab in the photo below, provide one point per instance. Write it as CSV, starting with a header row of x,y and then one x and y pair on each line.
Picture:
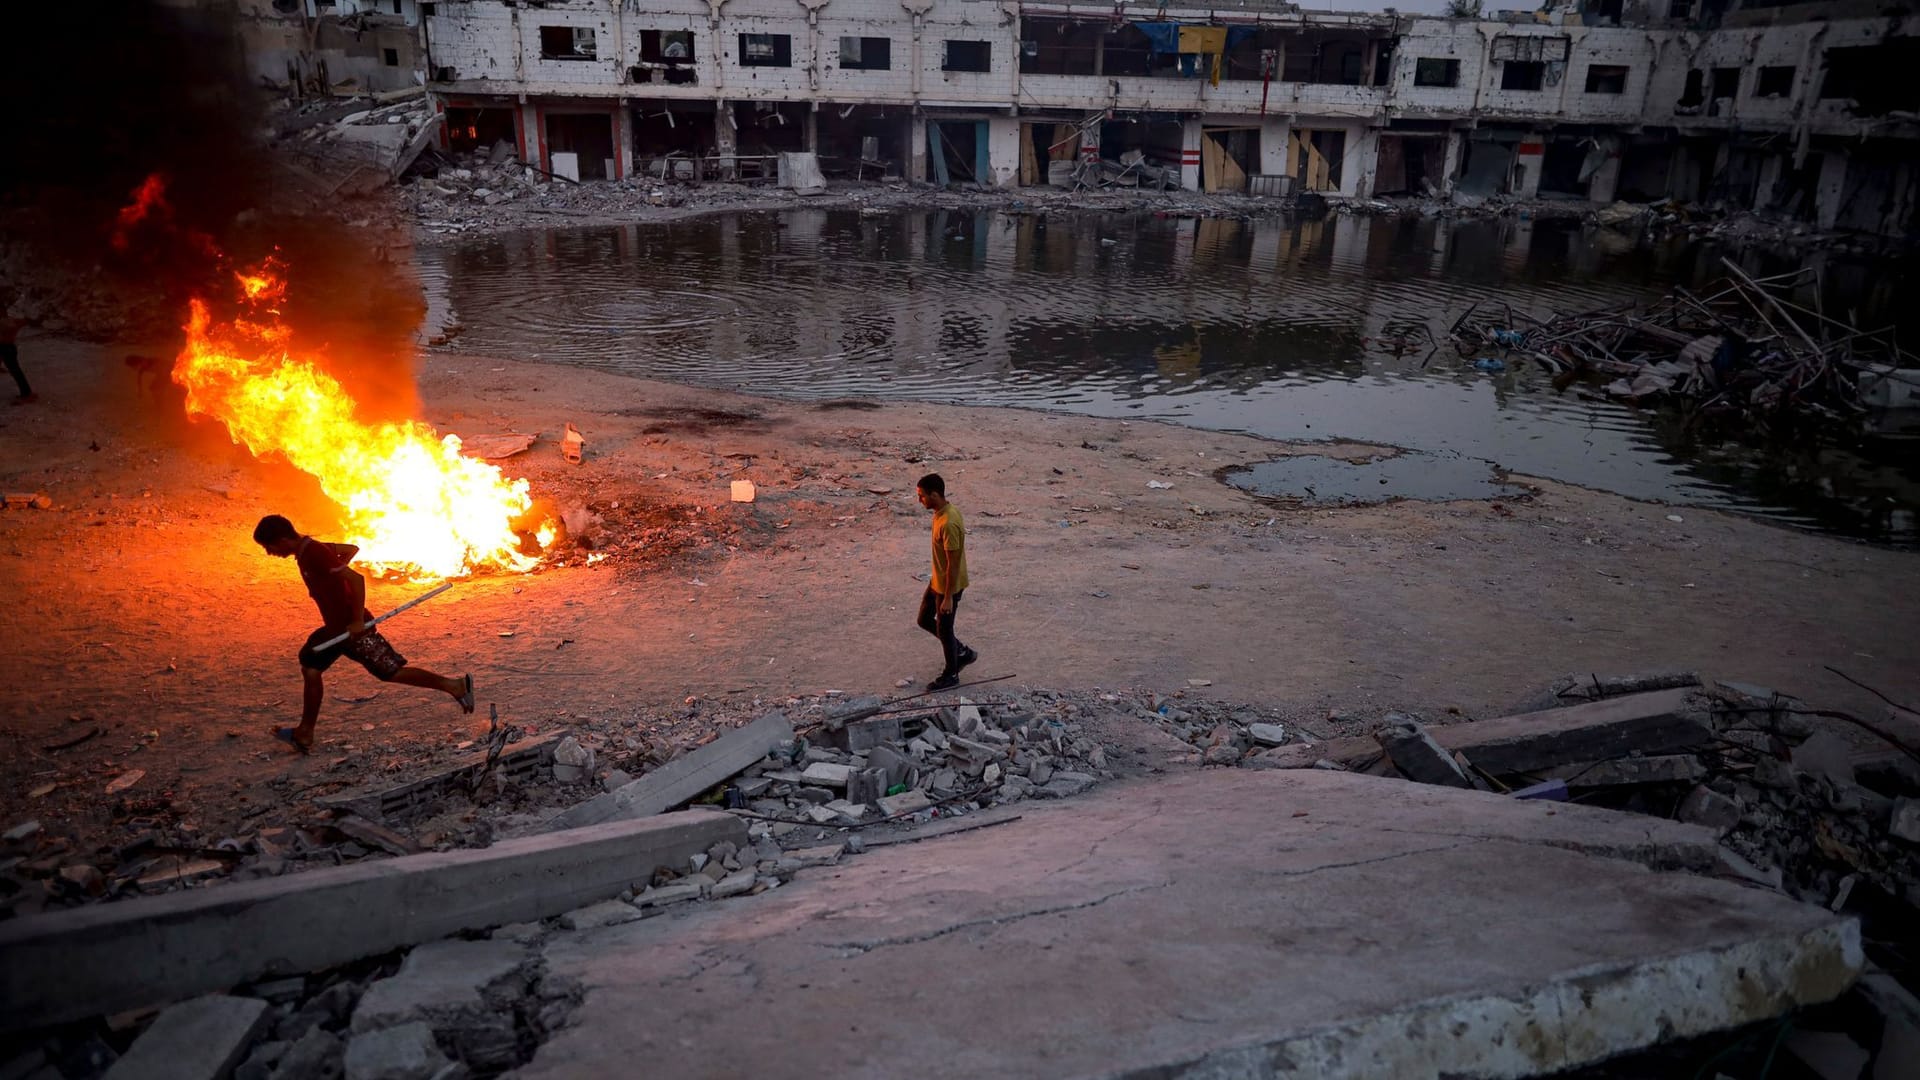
x,y
1227,924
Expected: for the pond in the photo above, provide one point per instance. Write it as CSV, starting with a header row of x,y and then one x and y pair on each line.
x,y
1279,327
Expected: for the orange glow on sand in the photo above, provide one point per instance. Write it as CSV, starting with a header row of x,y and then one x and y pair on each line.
x,y
415,506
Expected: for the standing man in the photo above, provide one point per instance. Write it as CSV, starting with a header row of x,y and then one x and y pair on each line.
x,y
10,351
341,594
949,579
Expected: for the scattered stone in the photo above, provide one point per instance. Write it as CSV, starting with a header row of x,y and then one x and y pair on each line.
x,y
662,895
572,762
1221,754
907,802
203,1038
407,1052
1267,734
1906,820
738,883
1415,753
1065,785
604,913
319,1055
1826,755
827,774
824,855
616,780
23,831
1734,865
281,991
1705,806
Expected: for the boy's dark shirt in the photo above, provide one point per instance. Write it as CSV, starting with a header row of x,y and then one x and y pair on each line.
x,y
323,567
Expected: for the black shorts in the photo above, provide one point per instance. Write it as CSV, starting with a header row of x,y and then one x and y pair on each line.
x,y
369,650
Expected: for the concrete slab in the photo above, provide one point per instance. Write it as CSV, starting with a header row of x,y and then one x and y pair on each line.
x,y
112,957
442,982
682,778
1227,924
202,1039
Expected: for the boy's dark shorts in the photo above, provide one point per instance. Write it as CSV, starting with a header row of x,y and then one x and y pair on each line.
x,y
369,650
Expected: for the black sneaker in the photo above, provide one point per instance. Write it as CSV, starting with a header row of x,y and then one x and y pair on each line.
x,y
965,658
944,682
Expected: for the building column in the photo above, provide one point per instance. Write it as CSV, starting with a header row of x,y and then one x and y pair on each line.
x,y
1274,132
726,138
1528,161
1366,162
916,163
1456,149
1832,188
1604,184
1090,141
812,127
1003,152
1767,190
623,141
1190,136
533,141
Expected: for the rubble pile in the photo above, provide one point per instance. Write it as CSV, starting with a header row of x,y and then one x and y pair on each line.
x,y
1738,351
1798,807
330,148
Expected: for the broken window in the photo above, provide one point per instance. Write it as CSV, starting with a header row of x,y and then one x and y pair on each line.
x,y
766,50
396,8
1877,78
1695,95
567,43
1606,79
391,57
1383,65
665,56
1605,10
1726,82
1523,75
968,56
1433,71
1774,82
866,53
1679,9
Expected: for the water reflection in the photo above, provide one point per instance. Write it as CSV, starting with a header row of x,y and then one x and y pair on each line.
x,y
1290,329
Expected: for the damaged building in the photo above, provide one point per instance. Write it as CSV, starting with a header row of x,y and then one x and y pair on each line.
x,y
324,47
1763,104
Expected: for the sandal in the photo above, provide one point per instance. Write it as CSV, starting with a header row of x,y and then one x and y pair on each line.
x,y
466,699
286,735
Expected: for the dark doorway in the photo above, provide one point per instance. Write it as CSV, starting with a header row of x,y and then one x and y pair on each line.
x,y
588,137
958,151
478,129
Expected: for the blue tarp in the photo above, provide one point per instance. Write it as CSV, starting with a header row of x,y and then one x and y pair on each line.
x,y
1165,36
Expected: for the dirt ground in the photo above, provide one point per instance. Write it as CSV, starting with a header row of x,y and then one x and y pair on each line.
x,y
142,611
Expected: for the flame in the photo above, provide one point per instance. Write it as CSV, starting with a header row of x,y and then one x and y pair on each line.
x,y
149,198
413,504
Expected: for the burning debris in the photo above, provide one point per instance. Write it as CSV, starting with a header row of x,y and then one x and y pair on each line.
x,y
413,503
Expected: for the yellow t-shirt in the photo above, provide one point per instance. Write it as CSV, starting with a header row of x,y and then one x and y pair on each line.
x,y
949,550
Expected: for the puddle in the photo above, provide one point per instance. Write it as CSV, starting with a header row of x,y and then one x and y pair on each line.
x,y
1325,481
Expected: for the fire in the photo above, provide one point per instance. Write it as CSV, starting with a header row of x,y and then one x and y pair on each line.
x,y
413,504
149,199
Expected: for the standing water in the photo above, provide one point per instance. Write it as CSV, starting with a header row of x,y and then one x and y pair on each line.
x,y
1287,329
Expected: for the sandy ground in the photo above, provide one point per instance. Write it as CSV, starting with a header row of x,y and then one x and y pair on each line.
x,y
140,607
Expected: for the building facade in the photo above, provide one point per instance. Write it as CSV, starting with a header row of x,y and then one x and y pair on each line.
x,y
1766,104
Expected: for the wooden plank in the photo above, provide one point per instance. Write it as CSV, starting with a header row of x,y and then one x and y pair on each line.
x,y
517,762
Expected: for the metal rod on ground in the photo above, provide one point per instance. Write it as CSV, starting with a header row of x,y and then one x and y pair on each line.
x,y
421,599
835,723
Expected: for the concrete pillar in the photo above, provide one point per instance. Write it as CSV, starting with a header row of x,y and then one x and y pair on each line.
x,y
1456,151
726,139
813,127
1274,131
623,141
1090,138
1605,182
532,139
1190,136
1003,152
1767,191
1527,165
916,148
1364,162
1832,187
